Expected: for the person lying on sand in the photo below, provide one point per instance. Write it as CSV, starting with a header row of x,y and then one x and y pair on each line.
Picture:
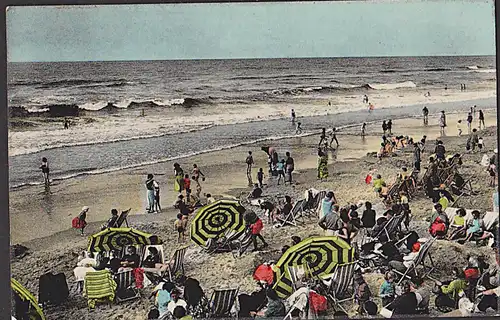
x,y
255,193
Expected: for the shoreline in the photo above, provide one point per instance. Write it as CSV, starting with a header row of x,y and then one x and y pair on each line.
x,y
272,130
124,188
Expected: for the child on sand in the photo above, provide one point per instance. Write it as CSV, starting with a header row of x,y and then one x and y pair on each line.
x,y
249,161
492,172
180,226
260,177
156,187
298,128
363,130
281,170
187,187
480,144
459,128
198,187
80,222
256,228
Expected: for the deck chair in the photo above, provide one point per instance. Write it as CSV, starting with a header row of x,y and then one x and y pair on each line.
x,y
125,283
176,264
295,273
419,260
145,254
122,218
393,192
99,286
298,209
340,284
221,303
241,244
288,219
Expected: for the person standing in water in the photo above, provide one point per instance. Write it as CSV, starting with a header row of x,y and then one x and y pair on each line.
x,y
425,113
384,127
150,193
45,171
389,126
442,122
334,137
298,128
293,116
365,99
363,130
249,162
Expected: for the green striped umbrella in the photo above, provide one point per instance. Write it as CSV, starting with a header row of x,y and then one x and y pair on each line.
x,y
215,219
117,238
319,254
25,295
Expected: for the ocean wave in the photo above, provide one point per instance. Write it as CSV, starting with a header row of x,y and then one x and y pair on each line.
x,y
485,70
391,86
72,82
473,67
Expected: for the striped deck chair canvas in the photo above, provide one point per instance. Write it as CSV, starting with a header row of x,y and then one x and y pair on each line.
x,y
222,302
393,225
242,244
296,273
341,284
420,261
125,290
99,286
298,208
176,265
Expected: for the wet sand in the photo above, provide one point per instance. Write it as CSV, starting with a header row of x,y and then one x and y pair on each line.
x,y
37,213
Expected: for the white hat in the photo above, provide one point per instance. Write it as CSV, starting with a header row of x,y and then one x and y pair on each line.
x,y
496,150
85,208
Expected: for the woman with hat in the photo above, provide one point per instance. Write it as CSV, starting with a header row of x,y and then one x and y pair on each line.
x,y
80,222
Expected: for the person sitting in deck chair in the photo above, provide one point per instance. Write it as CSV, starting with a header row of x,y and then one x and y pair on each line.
x,y
476,228
287,208
111,221
458,225
439,222
130,260
153,260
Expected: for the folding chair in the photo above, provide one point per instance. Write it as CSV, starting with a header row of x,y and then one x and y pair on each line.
x,y
176,264
341,283
125,290
419,260
242,243
221,303
162,258
289,219
298,209
313,204
122,218
393,192
99,286
295,273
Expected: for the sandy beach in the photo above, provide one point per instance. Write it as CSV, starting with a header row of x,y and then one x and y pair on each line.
x,y
41,220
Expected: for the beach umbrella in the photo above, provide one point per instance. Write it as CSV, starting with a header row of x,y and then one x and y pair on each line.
x,y
35,310
117,238
320,255
215,219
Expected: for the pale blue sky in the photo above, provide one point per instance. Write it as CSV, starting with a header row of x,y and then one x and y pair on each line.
x,y
257,30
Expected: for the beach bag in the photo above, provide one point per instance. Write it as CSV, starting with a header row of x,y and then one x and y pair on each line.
x,y
77,223
53,289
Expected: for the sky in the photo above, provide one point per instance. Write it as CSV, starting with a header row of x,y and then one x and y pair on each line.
x,y
250,30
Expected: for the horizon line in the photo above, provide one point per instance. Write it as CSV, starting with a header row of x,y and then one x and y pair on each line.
x,y
261,58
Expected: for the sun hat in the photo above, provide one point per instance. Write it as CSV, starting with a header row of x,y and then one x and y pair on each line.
x,y
85,208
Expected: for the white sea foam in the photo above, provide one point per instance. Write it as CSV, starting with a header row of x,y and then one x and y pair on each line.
x,y
392,86
130,126
486,70
472,67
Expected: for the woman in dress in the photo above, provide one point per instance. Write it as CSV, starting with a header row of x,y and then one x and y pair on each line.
x,y
179,178
322,164
80,222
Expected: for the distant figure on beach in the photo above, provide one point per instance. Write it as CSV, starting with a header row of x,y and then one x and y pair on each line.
x,y
322,137
370,107
384,127
66,123
150,192
363,130
281,171
329,103
389,126
290,166
197,173
298,128
425,113
156,204
293,116
442,122
112,220
260,177
445,87
187,187
481,120
45,171
469,121
249,162
365,99
179,178
334,137
322,164
474,110
459,128
80,221
428,94
417,157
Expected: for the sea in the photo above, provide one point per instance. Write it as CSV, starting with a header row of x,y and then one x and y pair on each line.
x,y
236,94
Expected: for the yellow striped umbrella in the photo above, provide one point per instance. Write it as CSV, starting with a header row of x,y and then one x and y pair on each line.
x,y
215,219
25,295
117,238
320,255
